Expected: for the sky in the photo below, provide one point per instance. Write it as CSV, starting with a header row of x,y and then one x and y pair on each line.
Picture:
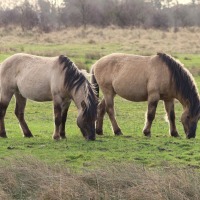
x,y
10,2
184,1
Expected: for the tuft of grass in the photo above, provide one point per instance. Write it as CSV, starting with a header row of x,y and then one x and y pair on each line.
x,y
29,178
93,55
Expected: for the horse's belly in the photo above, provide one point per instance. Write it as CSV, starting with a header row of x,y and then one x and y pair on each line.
x,y
136,91
133,95
36,93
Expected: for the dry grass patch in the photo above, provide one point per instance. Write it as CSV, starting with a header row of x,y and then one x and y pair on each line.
x,y
138,40
28,178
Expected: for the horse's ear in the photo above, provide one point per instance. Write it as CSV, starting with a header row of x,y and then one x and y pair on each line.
x,y
83,105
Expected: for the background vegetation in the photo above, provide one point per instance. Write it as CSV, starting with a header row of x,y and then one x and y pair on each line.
x,y
57,14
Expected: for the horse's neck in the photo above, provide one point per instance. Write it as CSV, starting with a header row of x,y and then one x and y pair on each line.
x,y
184,102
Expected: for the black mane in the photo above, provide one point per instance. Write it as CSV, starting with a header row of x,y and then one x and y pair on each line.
x,y
74,79
184,83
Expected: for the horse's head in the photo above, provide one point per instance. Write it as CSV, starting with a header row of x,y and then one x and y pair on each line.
x,y
86,123
190,123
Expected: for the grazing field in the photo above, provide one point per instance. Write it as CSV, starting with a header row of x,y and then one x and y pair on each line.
x,y
84,47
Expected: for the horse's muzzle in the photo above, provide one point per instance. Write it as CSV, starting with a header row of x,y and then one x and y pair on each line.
x,y
192,131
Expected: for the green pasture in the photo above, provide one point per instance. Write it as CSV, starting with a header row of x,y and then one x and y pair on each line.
x,y
79,154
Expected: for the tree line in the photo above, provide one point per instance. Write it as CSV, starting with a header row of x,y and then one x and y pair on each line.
x,y
50,15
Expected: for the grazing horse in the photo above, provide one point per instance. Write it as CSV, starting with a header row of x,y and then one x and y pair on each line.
x,y
146,78
42,79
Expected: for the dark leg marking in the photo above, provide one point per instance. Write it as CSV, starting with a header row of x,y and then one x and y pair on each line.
x,y
169,107
58,120
2,125
19,112
101,110
150,117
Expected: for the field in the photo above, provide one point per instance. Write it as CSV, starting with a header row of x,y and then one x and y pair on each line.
x,y
84,47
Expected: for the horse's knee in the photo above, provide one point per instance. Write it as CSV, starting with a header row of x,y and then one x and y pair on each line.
x,y
19,115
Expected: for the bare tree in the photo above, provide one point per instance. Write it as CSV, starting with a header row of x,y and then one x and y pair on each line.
x,y
49,14
28,17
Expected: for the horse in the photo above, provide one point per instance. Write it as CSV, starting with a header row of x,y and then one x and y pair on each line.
x,y
146,78
44,79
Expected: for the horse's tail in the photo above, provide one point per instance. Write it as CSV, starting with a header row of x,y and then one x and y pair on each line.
x,y
94,82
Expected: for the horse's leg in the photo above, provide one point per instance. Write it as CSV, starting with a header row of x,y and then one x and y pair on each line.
x,y
150,115
169,107
109,101
4,101
101,110
3,108
19,112
57,121
63,120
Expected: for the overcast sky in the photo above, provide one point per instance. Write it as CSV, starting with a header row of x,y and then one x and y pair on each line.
x,y
9,3
184,1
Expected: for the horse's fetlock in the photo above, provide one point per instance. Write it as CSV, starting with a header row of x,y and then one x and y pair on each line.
x,y
63,135
99,131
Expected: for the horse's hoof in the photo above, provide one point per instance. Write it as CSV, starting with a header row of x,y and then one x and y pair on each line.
x,y
118,132
147,133
63,137
56,137
91,138
3,135
175,134
28,135
99,132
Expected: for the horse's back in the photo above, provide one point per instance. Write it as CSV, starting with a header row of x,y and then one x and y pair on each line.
x,y
29,74
130,76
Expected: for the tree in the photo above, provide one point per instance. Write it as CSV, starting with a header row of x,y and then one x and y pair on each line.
x,y
47,16
29,18
82,9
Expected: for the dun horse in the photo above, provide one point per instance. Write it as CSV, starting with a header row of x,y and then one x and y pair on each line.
x,y
41,79
146,78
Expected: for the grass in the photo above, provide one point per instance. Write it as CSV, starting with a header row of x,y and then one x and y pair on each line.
x,y
131,149
77,153
29,178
